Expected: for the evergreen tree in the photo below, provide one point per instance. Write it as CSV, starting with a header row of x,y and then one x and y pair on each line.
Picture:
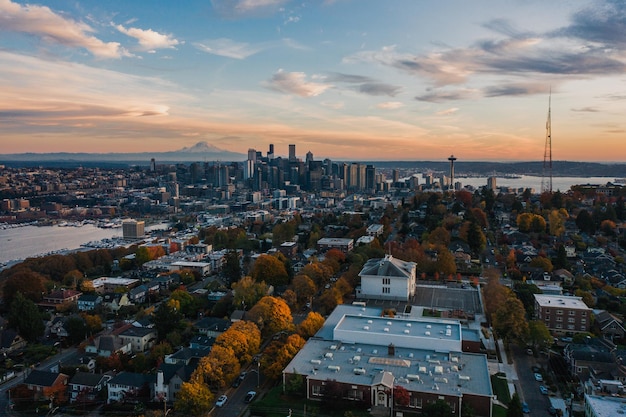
x,y
25,318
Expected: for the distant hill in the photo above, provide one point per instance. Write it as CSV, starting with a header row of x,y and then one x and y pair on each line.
x,y
200,152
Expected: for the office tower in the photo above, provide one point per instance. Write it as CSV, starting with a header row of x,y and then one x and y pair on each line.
x,y
370,178
133,229
249,168
395,175
292,152
152,165
491,183
309,157
270,153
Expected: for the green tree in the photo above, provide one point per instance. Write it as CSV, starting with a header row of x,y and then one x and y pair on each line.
x,y
76,328
247,292
439,408
539,335
585,222
515,407
25,318
476,238
167,319
232,267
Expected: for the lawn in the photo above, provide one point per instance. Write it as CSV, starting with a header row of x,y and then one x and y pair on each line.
x,y
276,404
501,387
498,411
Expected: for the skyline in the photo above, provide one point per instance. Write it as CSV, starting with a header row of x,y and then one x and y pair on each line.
x,y
344,79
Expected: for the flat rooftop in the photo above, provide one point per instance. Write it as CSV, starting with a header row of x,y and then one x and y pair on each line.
x,y
113,281
545,300
606,406
452,373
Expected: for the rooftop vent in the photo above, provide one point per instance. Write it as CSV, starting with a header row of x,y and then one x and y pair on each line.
x,y
389,323
408,325
366,327
386,329
334,368
427,333
359,371
316,361
407,331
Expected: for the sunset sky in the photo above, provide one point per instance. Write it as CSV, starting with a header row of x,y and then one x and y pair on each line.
x,y
344,79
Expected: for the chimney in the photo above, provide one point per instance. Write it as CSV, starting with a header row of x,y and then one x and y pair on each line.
x,y
391,350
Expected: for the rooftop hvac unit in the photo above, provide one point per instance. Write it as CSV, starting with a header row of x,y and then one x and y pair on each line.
x,y
359,371
316,361
334,368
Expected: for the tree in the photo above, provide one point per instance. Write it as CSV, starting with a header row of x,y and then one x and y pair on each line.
x,y
539,335
310,325
248,292
25,318
515,407
509,320
270,270
76,329
439,408
401,396
278,355
304,287
30,284
232,267
219,367
187,304
585,222
557,219
167,319
476,238
439,236
194,398
243,338
543,263
271,315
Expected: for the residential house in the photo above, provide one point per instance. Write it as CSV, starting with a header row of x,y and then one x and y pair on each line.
x,y
131,387
609,326
115,300
89,302
387,279
187,356
10,341
86,387
138,294
107,345
60,298
46,385
141,339
202,342
212,326
169,380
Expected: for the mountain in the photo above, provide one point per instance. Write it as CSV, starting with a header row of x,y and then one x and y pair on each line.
x,y
200,152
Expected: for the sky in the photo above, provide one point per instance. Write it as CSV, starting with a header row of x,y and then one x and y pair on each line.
x,y
343,79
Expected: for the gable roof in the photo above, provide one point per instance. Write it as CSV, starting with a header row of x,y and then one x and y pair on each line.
x,y
388,267
87,379
132,379
42,378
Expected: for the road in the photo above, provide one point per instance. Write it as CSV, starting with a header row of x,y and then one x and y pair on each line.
x,y
236,405
537,402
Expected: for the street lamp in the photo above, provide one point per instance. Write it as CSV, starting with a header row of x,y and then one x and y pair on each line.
x,y
258,374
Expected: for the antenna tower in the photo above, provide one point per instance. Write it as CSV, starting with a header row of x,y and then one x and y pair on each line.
x,y
546,179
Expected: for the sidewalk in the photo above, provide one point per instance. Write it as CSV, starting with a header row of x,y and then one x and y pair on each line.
x,y
506,368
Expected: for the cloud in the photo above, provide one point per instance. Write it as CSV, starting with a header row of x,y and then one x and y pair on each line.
x,y
247,8
149,40
437,96
516,90
367,85
586,109
601,23
228,48
295,83
53,28
447,112
390,105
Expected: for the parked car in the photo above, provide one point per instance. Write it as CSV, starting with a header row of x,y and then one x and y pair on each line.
x,y
538,377
239,379
525,408
250,396
543,389
529,351
221,401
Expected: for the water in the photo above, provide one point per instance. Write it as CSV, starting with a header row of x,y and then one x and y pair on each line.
x,y
562,184
27,241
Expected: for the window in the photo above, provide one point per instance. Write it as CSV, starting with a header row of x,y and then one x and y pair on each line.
x,y
571,327
559,312
386,290
584,314
571,320
559,319
316,390
415,402
559,326
571,312
386,281
354,394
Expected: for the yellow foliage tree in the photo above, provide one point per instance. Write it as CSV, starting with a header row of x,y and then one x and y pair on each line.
x,y
272,315
243,338
194,398
310,325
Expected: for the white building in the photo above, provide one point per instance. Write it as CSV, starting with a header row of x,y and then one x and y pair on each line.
x,y
387,279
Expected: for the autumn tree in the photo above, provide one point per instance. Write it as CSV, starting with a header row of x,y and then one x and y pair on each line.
x,y
271,270
304,287
194,398
30,284
219,367
278,355
318,272
310,325
476,238
439,236
272,315
243,338
543,263
530,222
509,320
401,396
556,220
247,292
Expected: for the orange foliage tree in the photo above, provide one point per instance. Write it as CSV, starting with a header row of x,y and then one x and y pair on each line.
x,y
271,315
